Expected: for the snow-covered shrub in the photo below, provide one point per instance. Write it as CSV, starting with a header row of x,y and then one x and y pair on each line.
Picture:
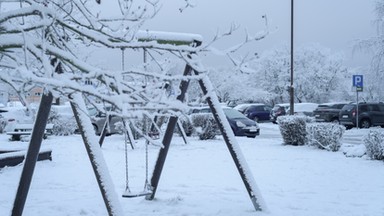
x,y
138,126
63,125
374,143
205,126
293,128
186,123
325,135
3,123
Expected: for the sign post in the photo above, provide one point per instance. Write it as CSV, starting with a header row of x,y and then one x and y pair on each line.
x,y
357,82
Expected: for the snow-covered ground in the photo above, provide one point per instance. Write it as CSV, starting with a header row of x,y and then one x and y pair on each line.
x,y
199,178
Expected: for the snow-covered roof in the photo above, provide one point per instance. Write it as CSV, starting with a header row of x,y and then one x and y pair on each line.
x,y
301,107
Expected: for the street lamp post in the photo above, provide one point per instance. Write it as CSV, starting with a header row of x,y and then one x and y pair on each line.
x,y
291,90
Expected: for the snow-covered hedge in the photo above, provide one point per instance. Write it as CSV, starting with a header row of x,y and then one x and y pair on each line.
x,y
62,125
374,143
293,129
205,126
325,135
3,123
187,125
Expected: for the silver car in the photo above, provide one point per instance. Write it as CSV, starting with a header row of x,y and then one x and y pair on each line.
x,y
98,119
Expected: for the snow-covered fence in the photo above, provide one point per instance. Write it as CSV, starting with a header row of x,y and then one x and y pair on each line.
x,y
325,135
293,129
374,143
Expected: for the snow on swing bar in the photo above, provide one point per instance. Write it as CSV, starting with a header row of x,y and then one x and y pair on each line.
x,y
174,38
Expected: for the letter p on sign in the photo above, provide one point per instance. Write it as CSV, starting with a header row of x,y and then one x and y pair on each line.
x,y
357,80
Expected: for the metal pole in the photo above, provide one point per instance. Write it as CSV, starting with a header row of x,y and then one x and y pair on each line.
x,y
32,154
291,90
357,108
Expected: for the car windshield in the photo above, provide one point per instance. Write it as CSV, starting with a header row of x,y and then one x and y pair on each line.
x,y
92,111
348,107
232,114
323,106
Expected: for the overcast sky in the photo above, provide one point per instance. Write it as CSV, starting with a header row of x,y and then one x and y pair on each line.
x,y
335,24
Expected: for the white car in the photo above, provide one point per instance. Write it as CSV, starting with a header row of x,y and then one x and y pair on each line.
x,y
304,108
16,115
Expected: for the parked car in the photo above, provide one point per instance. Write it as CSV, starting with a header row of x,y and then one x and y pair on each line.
x,y
329,112
98,119
240,124
16,115
369,114
258,112
278,110
242,107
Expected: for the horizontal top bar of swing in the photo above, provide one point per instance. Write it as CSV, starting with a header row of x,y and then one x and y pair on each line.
x,y
174,38
12,1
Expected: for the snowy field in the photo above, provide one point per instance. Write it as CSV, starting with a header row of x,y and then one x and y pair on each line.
x,y
199,178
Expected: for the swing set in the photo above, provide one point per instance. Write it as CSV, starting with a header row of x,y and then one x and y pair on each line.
x,y
151,183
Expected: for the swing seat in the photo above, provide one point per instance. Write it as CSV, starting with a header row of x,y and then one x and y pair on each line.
x,y
154,134
129,194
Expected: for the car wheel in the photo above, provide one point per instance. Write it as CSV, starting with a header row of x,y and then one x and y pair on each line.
x,y
335,121
256,119
95,129
365,123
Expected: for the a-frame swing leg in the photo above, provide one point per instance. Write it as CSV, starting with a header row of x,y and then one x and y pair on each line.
x,y
232,145
168,137
182,131
32,154
98,163
128,131
228,136
104,130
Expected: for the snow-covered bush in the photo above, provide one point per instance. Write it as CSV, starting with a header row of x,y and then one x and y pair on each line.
x,y
63,125
374,143
205,126
186,123
293,128
3,123
325,135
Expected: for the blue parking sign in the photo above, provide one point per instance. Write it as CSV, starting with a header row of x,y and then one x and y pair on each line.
x,y
357,81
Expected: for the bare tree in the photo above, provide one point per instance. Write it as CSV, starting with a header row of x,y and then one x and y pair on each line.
x,y
319,74
46,43
373,88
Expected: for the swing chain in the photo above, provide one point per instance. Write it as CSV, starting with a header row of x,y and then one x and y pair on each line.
x,y
126,161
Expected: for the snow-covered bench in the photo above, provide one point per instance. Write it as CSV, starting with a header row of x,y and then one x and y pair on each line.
x,y
26,129
15,157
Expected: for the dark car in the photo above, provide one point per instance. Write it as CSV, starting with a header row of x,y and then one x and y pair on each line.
x,y
242,107
258,112
329,112
278,110
369,114
240,124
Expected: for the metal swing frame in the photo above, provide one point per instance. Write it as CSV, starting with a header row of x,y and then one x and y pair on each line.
x,y
42,118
